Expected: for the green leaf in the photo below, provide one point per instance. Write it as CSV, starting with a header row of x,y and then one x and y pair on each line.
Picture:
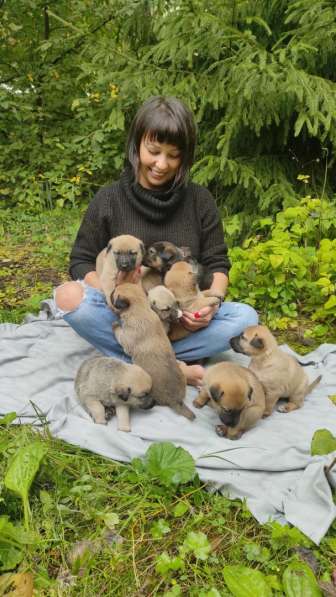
x,y
276,261
8,419
111,519
246,582
12,538
323,442
331,302
198,544
165,564
256,553
175,591
299,581
10,556
159,528
180,509
22,470
169,464
285,536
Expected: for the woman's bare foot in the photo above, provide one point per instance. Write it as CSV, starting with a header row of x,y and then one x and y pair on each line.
x,y
193,373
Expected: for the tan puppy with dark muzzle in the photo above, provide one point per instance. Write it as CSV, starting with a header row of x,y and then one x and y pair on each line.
x,y
182,280
143,338
164,304
280,373
123,254
236,395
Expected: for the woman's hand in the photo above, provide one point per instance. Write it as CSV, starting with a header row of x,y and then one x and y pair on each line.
x,y
201,319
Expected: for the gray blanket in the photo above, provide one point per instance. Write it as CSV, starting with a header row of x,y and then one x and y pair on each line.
x,y
270,465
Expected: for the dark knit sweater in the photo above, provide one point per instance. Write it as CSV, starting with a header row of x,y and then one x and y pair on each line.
x,y
186,217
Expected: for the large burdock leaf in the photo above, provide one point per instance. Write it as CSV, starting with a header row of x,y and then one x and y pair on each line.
x,y
323,442
246,582
299,581
21,473
169,464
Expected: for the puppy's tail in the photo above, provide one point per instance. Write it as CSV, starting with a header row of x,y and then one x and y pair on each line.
x,y
313,384
182,409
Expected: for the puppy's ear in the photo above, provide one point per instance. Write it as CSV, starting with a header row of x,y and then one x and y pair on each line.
x,y
250,393
167,256
109,247
215,392
142,249
257,342
121,303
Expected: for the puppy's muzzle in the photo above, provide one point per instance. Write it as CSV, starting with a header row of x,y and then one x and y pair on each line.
x,y
124,394
147,402
125,263
235,344
230,418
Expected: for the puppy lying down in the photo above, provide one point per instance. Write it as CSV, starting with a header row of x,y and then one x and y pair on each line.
x,y
105,385
280,373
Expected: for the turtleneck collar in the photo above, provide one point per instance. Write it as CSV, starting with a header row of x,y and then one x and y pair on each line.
x,y
154,205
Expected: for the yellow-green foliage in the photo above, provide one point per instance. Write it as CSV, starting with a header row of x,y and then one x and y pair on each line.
x,y
288,267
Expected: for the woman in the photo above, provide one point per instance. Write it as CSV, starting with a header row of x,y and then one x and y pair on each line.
x,y
153,200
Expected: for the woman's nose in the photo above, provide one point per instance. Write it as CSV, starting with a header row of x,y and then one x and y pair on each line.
x,y
161,162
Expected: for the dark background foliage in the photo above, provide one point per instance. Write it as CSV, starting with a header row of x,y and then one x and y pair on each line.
x,y
258,74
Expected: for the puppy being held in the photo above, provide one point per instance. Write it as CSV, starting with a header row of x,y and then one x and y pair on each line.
x,y
105,384
161,255
165,305
143,338
236,395
122,256
182,280
280,373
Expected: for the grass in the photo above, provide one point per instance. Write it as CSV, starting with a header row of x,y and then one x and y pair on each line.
x,y
106,528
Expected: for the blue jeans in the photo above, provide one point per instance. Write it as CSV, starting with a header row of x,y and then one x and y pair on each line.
x,y
93,319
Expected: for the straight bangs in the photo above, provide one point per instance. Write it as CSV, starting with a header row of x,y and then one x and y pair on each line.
x,y
165,120
163,128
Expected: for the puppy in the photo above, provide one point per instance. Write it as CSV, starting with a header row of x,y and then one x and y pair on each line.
x,y
280,374
123,253
161,255
150,278
236,395
102,384
143,338
164,304
182,280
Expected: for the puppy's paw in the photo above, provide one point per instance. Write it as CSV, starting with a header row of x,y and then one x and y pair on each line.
x,y
221,430
100,421
109,412
198,404
266,414
235,436
287,408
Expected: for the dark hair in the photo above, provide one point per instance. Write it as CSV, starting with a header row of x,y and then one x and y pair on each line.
x,y
166,120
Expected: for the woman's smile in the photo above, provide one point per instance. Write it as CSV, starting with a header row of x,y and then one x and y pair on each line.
x,y
159,163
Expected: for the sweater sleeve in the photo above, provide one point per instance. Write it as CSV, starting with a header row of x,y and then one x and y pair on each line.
x,y
214,252
92,236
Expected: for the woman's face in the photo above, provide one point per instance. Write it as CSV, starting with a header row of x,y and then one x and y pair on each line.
x,y
158,163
